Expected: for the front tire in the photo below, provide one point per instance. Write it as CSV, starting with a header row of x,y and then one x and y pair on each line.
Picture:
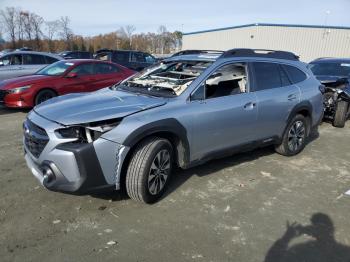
x,y
44,95
294,137
341,113
149,170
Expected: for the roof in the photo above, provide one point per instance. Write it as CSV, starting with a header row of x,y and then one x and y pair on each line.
x,y
266,24
331,60
34,53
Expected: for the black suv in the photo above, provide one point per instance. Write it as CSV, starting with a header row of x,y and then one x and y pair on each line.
x,y
135,60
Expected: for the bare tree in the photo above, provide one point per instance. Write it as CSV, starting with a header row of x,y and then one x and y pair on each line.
x,y
51,31
127,33
66,32
8,17
36,22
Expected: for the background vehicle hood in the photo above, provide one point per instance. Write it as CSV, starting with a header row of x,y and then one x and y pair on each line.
x,y
328,79
23,80
105,104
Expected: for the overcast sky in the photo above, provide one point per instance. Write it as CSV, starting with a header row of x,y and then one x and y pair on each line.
x,y
91,17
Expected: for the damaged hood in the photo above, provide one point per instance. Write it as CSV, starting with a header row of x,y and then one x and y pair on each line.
x,y
105,104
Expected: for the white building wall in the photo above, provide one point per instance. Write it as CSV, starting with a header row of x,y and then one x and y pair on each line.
x,y
308,43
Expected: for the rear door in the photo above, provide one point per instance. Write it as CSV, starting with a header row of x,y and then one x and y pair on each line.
x,y
121,58
276,96
105,74
32,63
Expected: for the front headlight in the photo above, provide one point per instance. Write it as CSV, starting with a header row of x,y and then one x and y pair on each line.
x,y
19,89
88,133
70,132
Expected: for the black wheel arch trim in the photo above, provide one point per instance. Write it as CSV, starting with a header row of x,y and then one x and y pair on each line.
x,y
44,89
302,106
169,125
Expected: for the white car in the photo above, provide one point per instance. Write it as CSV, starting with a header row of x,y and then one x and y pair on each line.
x,y
19,63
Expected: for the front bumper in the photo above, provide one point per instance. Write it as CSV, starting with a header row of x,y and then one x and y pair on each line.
x,y
20,100
66,166
79,161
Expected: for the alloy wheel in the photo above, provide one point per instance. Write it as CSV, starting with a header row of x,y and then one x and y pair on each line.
x,y
159,172
296,136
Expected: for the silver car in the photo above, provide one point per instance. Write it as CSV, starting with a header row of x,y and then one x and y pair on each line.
x,y
180,112
19,63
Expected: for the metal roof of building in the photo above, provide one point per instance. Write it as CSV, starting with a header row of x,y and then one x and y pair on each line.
x,y
266,24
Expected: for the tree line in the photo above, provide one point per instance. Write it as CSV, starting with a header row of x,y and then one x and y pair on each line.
x,y
19,28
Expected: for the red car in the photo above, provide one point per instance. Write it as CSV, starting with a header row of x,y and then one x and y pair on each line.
x,y
62,77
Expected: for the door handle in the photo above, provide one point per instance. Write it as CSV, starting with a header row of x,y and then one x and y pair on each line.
x,y
292,97
249,106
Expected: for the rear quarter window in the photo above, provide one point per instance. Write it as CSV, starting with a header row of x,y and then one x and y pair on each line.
x,y
295,74
50,60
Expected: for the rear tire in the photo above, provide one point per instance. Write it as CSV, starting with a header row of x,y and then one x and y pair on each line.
x,y
44,95
294,137
149,170
341,113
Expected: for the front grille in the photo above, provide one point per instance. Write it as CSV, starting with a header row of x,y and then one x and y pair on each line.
x,y
35,138
3,93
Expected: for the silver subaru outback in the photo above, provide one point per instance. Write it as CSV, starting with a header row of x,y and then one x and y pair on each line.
x,y
181,112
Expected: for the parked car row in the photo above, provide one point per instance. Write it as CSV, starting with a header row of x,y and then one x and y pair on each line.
x,y
62,77
25,62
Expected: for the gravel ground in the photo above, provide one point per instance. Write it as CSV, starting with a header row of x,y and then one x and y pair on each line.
x,y
233,209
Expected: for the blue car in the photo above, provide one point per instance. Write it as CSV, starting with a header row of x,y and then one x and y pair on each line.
x,y
181,112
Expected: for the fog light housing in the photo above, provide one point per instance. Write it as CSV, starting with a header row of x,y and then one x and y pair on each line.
x,y
48,175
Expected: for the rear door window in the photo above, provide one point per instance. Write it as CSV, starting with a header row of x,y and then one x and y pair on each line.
x,y
31,59
295,74
267,76
105,68
121,57
83,70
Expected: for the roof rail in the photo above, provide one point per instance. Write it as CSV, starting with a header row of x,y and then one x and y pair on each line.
x,y
196,52
260,53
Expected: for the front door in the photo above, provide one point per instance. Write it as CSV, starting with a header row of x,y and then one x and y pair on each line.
x,y
224,111
82,82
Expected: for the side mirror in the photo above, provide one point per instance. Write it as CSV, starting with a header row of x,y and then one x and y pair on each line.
x,y
71,75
